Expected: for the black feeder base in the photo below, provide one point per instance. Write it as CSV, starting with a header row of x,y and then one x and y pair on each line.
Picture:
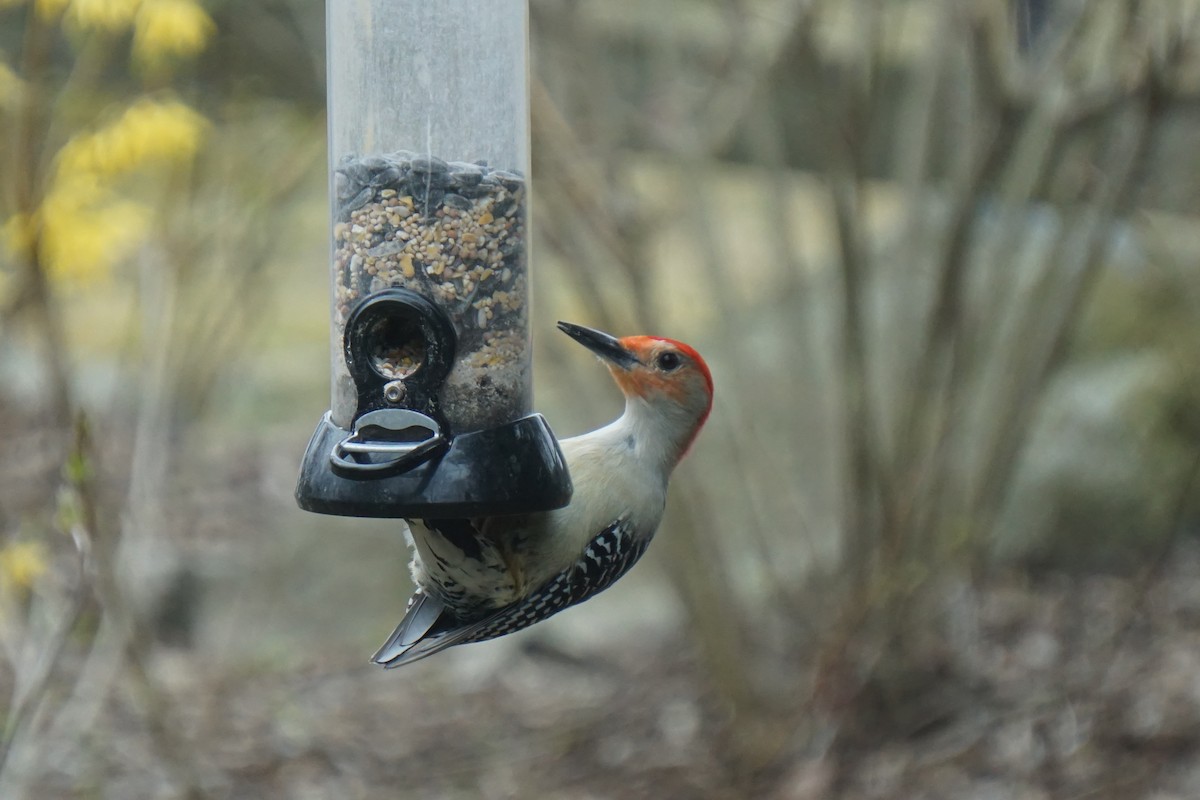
x,y
510,469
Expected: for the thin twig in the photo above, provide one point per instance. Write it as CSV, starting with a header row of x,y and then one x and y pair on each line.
x,y
1017,413
26,706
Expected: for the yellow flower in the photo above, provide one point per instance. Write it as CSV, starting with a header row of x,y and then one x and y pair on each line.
x,y
149,131
22,563
112,16
167,29
84,226
86,229
85,248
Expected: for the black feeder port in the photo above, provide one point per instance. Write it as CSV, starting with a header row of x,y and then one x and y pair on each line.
x,y
402,457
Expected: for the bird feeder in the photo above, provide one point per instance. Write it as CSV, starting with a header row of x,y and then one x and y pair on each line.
x,y
431,404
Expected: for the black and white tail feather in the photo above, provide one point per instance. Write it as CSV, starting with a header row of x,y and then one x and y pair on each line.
x,y
429,626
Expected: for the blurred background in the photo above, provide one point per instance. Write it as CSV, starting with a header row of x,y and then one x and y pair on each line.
x,y
938,540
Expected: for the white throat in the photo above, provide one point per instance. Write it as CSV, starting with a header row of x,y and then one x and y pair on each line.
x,y
658,433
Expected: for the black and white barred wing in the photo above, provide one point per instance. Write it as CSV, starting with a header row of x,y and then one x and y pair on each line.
x,y
606,558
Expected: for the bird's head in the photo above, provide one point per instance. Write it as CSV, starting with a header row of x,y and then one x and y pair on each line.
x,y
668,377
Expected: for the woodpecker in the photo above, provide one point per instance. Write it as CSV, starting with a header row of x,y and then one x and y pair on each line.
x,y
481,578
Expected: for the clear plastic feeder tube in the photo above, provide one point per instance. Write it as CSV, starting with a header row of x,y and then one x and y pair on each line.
x,y
428,141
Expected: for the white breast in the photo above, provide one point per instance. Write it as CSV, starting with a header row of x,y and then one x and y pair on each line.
x,y
616,473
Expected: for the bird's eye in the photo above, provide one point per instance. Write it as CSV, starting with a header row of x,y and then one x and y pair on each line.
x,y
668,361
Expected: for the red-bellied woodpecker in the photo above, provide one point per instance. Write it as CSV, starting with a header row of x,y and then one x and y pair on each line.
x,y
482,578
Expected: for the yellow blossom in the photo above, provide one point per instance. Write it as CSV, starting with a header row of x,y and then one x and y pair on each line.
x,y
112,16
86,229
167,29
84,249
84,226
149,131
21,563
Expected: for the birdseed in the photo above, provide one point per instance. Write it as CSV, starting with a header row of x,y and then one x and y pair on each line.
x,y
453,232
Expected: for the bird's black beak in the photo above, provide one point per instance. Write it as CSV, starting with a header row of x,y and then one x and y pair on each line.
x,y
602,344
